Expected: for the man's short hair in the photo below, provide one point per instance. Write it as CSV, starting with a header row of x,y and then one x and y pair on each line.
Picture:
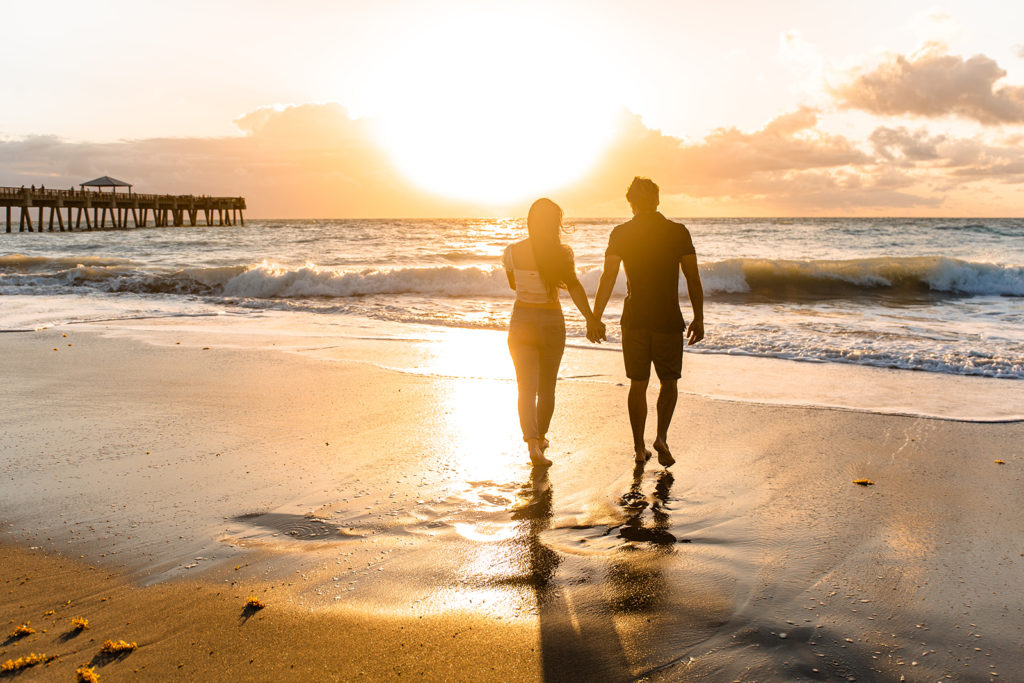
x,y
642,194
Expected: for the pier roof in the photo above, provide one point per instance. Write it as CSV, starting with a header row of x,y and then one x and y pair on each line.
x,y
105,181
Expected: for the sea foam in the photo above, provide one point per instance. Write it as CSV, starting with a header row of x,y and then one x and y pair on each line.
x,y
777,279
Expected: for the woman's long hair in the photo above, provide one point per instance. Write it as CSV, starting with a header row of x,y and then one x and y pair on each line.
x,y
554,259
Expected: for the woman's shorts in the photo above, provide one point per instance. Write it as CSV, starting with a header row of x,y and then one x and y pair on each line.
x,y
540,327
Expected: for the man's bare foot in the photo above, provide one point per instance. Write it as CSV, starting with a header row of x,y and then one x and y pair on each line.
x,y
544,444
539,460
641,455
537,454
665,458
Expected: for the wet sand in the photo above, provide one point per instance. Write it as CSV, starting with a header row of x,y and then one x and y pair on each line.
x,y
201,630
364,504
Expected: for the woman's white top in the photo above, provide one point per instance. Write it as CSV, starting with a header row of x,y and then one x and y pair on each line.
x,y
530,287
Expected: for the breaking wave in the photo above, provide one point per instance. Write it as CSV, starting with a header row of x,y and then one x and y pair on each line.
x,y
763,279
783,279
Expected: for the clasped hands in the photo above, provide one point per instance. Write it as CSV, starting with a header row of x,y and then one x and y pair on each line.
x,y
596,331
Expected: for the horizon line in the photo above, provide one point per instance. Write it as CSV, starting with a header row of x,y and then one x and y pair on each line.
x,y
626,218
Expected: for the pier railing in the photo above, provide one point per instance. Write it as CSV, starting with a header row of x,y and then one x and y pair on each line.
x,y
167,209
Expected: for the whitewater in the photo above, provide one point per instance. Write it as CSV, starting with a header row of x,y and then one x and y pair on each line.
x,y
937,295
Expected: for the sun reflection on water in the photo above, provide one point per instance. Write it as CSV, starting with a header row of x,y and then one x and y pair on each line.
x,y
509,567
487,463
481,354
478,411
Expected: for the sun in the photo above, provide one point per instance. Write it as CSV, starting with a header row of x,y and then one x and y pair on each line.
x,y
492,106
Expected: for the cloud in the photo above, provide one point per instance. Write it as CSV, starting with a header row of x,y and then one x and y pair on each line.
x,y
972,159
315,160
729,156
932,83
950,157
787,142
850,192
1019,50
308,160
791,167
900,144
767,166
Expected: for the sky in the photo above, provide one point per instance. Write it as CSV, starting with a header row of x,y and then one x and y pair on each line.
x,y
445,108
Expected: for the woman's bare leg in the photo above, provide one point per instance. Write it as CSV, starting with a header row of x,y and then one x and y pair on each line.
x,y
526,360
549,359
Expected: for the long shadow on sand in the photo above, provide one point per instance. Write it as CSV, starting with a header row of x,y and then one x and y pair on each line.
x,y
627,612
68,636
572,647
579,644
104,658
248,612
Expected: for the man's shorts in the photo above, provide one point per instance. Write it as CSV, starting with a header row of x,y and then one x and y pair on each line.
x,y
641,347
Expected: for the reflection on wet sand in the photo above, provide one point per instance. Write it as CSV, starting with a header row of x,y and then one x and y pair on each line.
x,y
635,580
634,503
599,571
533,511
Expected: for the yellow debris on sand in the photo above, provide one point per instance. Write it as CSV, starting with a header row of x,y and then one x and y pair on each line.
x,y
87,674
21,632
12,665
252,602
117,647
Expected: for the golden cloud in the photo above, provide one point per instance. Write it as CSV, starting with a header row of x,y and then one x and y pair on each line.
x,y
932,83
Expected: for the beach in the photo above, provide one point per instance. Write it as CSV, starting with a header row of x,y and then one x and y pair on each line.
x,y
260,301
157,474
259,304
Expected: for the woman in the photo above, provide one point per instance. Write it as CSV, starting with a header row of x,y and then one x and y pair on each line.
x,y
537,268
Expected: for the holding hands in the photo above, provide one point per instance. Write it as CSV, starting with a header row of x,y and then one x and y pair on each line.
x,y
595,328
595,331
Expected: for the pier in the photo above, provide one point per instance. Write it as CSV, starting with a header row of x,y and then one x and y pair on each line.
x,y
89,210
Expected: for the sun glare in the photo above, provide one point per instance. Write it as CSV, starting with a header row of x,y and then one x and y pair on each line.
x,y
492,107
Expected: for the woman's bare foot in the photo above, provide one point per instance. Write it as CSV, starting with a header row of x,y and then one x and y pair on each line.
x,y
641,454
544,444
537,454
665,458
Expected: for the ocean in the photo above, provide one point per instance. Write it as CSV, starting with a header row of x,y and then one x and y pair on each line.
x,y
937,295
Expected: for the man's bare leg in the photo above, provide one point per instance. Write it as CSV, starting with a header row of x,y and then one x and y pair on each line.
x,y
666,407
637,404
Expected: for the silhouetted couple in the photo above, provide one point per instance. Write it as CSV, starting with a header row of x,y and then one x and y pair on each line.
x,y
652,249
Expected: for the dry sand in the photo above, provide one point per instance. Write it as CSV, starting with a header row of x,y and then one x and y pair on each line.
x,y
391,525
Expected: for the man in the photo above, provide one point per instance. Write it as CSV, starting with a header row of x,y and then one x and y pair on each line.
x,y
653,249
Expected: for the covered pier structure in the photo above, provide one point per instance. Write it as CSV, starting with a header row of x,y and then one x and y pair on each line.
x,y
68,208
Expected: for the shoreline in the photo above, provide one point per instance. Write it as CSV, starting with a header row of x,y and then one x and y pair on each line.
x,y
374,498
453,352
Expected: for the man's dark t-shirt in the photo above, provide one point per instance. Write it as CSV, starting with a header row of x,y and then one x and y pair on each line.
x,y
651,247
